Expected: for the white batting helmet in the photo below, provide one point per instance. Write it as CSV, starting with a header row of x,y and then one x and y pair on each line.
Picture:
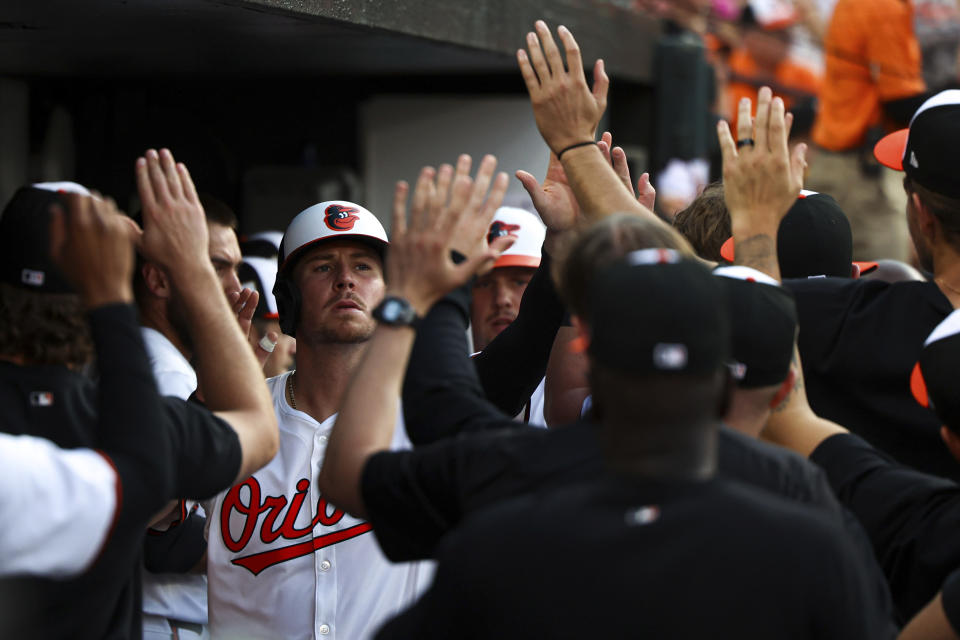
x,y
329,220
529,233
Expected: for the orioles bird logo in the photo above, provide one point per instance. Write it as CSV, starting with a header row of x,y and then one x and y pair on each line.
x,y
499,229
340,218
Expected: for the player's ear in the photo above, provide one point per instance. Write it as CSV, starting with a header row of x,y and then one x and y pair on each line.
x,y
583,332
156,280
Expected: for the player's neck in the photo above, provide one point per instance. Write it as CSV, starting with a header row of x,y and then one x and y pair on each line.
x,y
663,452
946,268
153,318
323,372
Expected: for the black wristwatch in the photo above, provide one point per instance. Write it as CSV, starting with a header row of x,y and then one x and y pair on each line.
x,y
396,312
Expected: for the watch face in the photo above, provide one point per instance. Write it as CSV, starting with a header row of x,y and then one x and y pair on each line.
x,y
391,311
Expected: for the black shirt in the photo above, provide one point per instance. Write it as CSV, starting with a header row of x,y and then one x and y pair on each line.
x,y
502,377
415,497
912,518
161,448
859,341
615,559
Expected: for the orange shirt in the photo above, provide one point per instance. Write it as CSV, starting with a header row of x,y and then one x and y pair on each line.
x,y
872,56
787,74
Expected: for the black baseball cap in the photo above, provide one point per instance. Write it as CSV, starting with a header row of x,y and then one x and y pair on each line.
x,y
934,378
763,326
25,260
814,240
658,312
927,150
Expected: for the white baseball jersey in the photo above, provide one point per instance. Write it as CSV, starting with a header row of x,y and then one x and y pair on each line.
x,y
534,408
283,563
56,507
181,596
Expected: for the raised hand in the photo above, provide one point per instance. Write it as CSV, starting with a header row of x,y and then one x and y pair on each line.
x,y
92,244
566,110
175,232
762,179
554,199
617,157
450,212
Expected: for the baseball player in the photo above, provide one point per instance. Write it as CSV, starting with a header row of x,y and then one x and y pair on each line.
x,y
281,561
495,297
44,392
174,597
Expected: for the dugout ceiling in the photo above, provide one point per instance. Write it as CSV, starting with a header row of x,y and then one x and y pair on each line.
x,y
306,37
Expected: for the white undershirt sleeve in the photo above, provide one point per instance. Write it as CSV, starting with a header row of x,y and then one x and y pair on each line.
x,y
56,507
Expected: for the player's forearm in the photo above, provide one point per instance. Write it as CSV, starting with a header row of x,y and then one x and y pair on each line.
x,y
227,370
367,418
598,189
800,432
757,248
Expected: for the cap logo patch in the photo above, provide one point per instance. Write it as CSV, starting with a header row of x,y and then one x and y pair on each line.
x,y
32,277
644,515
913,160
738,370
670,357
652,256
340,218
499,229
41,399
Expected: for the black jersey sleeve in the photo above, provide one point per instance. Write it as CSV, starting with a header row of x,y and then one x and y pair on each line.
x,y
413,498
177,549
442,395
512,365
910,517
206,450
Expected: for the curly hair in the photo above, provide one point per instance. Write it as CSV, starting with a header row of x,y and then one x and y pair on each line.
x,y
43,328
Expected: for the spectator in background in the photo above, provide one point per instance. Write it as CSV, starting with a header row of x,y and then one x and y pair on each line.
x,y
873,73
763,60
937,24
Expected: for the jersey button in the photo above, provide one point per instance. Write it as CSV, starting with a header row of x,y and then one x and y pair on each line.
x,y
324,565
322,439
324,629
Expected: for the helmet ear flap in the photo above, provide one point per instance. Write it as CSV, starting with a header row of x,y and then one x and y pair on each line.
x,y
287,296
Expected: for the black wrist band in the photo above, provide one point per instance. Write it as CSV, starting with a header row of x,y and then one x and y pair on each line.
x,y
573,146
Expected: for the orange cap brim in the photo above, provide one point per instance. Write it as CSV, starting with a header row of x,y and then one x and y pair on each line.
x,y
889,151
918,387
866,267
726,250
515,260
